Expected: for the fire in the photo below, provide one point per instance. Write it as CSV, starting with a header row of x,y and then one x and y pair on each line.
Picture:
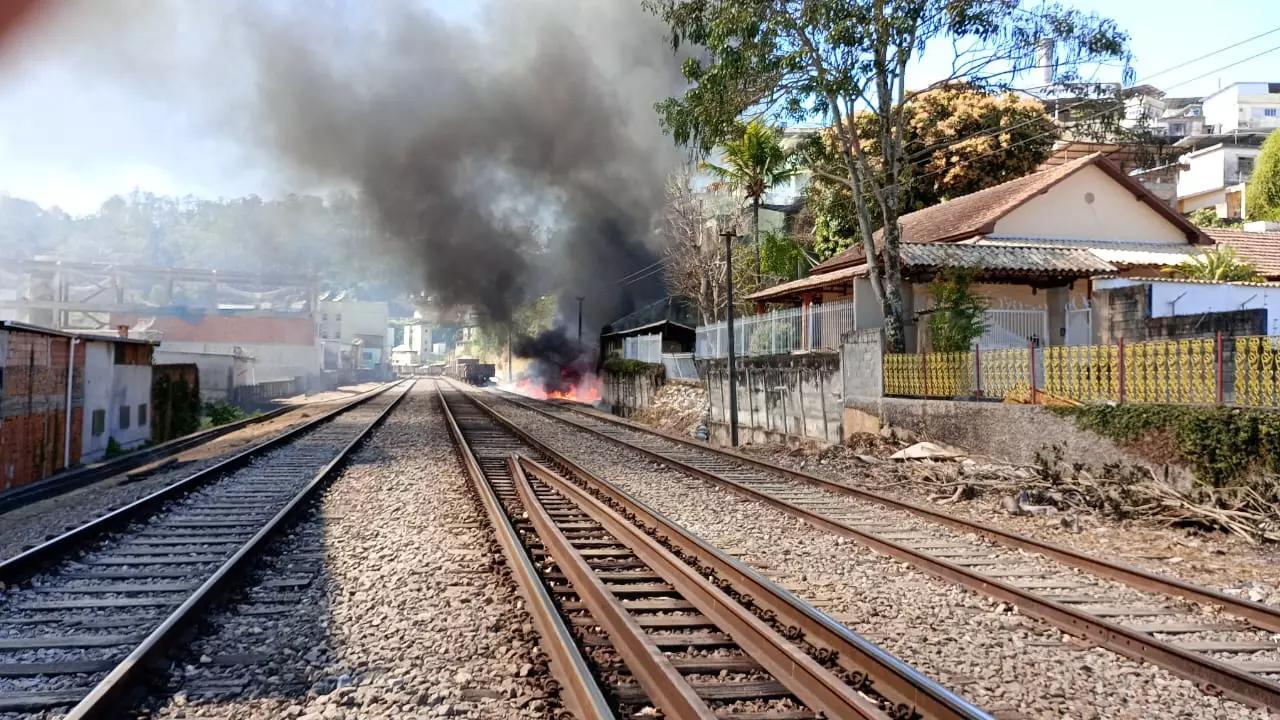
x,y
586,390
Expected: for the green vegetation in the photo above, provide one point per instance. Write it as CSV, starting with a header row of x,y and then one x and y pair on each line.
x,y
113,449
625,366
1219,263
957,316
1262,196
822,59
1208,218
1222,445
220,413
755,162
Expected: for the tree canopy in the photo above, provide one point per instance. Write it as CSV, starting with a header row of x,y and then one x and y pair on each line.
x,y
957,140
836,58
330,237
755,162
1262,194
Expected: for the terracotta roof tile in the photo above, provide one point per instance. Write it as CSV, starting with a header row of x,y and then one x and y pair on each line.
x,y
976,213
1261,249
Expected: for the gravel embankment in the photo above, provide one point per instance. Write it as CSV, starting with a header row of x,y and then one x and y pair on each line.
x,y
1010,664
409,611
33,524
1225,562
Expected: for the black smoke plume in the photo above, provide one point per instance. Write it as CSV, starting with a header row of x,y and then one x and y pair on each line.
x,y
515,150
557,362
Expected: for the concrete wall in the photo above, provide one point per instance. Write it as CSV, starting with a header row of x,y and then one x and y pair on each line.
x,y
119,390
1126,312
781,398
1066,211
627,393
1169,298
271,361
1007,431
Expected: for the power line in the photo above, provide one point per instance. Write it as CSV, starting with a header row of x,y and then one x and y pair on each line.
x,y
1219,51
641,270
1088,117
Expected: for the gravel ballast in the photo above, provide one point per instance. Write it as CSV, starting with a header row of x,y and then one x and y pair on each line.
x,y
409,611
31,525
1008,663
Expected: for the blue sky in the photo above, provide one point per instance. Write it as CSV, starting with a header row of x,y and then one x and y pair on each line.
x,y
73,139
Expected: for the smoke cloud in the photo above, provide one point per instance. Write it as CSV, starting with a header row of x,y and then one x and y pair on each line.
x,y
556,361
519,156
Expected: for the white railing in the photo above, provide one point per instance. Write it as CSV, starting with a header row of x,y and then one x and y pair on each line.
x,y
645,348
680,366
780,332
1014,328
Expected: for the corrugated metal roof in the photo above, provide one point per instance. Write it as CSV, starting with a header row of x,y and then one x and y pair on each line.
x,y
1117,253
1073,261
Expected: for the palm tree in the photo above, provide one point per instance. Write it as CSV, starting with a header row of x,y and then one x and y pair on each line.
x,y
1219,263
755,162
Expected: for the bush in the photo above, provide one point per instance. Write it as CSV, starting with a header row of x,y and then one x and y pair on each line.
x,y
113,449
1220,444
221,413
625,366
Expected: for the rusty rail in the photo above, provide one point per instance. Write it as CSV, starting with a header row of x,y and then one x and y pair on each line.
x,y
578,689
1233,682
655,673
904,689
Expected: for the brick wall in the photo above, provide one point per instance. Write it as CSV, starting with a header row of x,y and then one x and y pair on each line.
x,y
33,407
1126,313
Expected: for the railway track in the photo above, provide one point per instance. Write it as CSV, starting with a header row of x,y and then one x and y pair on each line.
x,y
86,616
1225,644
637,614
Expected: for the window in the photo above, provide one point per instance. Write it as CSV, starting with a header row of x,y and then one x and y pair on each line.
x,y
1193,111
98,422
324,334
1245,166
337,317
1269,112
1177,129
124,417
121,353
142,415
324,316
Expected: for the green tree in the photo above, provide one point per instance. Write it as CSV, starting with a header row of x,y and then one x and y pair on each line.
x,y
827,57
957,317
1262,195
1208,218
755,162
1219,263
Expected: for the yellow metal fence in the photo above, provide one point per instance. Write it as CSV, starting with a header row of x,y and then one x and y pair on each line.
x,y
1202,371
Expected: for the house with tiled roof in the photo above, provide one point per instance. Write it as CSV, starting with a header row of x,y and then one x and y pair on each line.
x,y
1259,248
1033,244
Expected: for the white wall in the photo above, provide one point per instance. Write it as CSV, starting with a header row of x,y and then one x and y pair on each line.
x,y
358,318
1222,110
98,368
1066,212
270,361
1205,171
1170,298
111,387
217,372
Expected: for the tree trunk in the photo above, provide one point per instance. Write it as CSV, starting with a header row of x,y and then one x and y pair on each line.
x,y
755,232
894,323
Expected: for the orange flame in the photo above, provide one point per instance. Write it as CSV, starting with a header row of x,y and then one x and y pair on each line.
x,y
586,391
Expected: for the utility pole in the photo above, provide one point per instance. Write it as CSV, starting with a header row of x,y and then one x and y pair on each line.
x,y
580,299
508,353
733,361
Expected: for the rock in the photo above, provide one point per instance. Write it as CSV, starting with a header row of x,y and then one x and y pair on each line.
x,y
925,450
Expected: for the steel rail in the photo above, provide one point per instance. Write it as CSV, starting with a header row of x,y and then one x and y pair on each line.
x,y
1232,682
892,678
648,665
818,688
106,698
22,566
71,480
1261,615
579,692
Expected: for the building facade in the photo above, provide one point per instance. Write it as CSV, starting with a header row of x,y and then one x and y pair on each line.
x,y
352,322
104,382
1243,106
